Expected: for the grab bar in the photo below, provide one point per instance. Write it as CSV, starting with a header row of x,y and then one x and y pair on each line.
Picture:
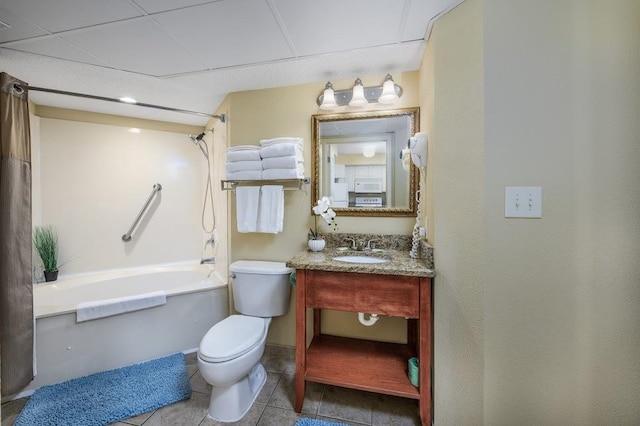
x,y
156,187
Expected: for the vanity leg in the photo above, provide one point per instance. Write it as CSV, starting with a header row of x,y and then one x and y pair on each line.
x,y
425,352
317,316
301,339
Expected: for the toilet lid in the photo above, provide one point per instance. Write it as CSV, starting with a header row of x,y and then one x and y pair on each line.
x,y
231,337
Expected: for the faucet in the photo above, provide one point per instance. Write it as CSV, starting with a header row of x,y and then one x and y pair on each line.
x,y
368,246
354,244
210,260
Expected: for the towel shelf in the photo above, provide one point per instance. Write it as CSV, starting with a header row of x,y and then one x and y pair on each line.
x,y
288,184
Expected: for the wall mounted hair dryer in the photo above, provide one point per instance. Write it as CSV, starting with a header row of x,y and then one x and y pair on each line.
x,y
418,147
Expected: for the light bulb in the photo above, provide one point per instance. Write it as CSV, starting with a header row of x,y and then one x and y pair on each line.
x,y
328,98
389,94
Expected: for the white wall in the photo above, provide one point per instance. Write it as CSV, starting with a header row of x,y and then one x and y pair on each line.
x,y
94,180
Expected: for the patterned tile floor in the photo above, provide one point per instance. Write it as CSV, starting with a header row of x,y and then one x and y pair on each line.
x,y
274,405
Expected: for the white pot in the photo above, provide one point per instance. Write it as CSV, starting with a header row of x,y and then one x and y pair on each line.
x,y
316,245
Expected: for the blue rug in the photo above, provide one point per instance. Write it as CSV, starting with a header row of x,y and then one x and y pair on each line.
x,y
315,422
110,396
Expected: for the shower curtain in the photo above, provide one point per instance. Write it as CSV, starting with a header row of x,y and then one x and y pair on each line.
x,y
16,288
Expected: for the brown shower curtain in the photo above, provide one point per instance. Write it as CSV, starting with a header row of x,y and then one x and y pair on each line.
x,y
16,289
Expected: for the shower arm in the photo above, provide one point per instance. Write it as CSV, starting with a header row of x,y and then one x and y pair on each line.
x,y
156,188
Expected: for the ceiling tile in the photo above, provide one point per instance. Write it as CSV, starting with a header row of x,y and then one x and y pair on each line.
x,y
420,13
61,15
336,25
155,6
19,29
228,33
57,48
139,46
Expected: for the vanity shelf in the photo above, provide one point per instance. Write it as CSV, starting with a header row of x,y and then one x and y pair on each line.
x,y
289,184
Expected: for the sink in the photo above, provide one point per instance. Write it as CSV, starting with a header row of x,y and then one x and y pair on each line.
x,y
360,259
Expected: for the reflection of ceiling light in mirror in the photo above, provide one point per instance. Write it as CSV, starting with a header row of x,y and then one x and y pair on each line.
x,y
134,130
328,98
369,151
357,98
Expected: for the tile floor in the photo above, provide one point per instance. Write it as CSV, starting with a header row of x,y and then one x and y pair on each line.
x,y
274,405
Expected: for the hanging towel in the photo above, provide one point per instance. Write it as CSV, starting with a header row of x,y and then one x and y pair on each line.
x,y
107,307
271,216
283,173
247,203
243,155
281,150
245,175
287,162
239,166
267,142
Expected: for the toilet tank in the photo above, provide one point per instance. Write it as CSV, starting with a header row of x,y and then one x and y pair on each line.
x,y
260,288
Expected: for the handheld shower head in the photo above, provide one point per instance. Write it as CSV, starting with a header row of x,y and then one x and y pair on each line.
x,y
200,143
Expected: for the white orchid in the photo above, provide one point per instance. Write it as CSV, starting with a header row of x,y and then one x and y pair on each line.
x,y
324,210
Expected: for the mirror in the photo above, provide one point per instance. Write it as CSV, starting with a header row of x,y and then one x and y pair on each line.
x,y
356,162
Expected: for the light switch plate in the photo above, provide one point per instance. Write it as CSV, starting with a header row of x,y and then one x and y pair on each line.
x,y
523,201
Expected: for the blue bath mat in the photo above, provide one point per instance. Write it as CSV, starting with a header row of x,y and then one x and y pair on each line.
x,y
110,396
315,422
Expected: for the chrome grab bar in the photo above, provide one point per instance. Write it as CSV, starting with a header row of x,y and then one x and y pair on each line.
x,y
156,188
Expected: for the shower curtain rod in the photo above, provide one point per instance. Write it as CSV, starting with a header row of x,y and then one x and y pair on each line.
x,y
20,89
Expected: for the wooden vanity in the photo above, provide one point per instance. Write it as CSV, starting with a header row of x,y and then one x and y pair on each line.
x,y
401,288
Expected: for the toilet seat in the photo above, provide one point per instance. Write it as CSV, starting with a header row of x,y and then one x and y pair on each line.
x,y
232,337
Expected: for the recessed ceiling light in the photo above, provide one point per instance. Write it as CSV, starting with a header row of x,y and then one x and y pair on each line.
x,y
128,100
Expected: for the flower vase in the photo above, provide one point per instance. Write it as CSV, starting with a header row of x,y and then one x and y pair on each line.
x,y
316,245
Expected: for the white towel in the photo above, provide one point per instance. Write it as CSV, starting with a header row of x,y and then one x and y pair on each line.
x,y
287,162
267,142
247,204
283,174
245,175
239,166
243,148
107,307
243,155
281,150
271,216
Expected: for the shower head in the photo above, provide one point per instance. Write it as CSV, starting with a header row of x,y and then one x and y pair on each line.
x,y
200,143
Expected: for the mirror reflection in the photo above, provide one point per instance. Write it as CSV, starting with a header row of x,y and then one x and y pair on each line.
x,y
357,163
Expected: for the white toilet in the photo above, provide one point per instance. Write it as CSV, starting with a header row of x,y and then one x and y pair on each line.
x,y
229,354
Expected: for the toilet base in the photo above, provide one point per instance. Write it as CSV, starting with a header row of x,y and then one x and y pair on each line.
x,y
231,403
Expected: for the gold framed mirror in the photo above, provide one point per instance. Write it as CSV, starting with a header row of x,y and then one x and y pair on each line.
x,y
355,160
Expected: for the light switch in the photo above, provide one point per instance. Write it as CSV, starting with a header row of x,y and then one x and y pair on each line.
x,y
523,201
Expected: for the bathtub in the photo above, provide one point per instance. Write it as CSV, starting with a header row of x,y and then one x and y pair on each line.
x,y
197,298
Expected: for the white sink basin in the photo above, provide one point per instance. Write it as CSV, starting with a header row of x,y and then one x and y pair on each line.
x,y
360,259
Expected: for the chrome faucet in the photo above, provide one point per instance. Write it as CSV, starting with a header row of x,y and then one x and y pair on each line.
x,y
354,244
368,246
208,260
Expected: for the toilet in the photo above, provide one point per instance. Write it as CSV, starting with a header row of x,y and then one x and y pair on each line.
x,y
229,353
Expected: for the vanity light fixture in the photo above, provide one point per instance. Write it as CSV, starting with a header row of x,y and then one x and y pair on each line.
x,y
358,95
368,151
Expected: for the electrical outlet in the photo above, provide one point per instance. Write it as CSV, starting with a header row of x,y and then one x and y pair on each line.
x,y
523,201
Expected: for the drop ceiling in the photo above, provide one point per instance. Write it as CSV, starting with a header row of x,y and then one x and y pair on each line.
x,y
189,54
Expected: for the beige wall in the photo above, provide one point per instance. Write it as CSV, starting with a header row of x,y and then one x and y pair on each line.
x,y
287,111
536,320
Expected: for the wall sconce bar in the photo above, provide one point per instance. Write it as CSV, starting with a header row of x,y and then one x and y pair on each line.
x,y
371,93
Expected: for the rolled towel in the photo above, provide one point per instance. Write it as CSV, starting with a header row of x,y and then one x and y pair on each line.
x,y
287,162
238,166
243,148
281,150
268,142
245,175
282,174
243,155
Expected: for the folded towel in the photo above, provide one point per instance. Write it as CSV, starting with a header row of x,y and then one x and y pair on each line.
x,y
281,150
239,166
267,142
245,175
246,155
247,203
243,148
107,307
271,216
283,174
287,162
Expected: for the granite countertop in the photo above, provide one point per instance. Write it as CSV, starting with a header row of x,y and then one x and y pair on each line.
x,y
400,263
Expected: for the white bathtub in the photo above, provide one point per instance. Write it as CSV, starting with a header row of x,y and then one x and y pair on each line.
x,y
197,298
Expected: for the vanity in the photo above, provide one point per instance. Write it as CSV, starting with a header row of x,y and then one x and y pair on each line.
x,y
399,286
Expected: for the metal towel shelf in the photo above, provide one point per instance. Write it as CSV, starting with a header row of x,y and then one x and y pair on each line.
x,y
156,188
289,184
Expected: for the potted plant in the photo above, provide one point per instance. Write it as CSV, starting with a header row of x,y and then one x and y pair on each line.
x,y
324,210
45,241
